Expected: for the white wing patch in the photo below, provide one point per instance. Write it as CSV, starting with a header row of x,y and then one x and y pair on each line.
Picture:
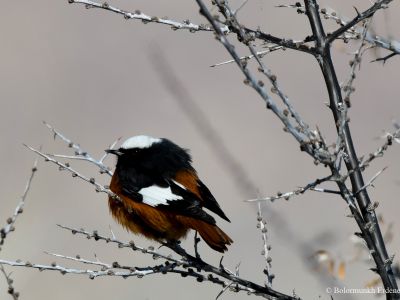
x,y
155,195
180,185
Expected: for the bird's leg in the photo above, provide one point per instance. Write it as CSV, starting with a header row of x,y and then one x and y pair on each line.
x,y
221,266
196,242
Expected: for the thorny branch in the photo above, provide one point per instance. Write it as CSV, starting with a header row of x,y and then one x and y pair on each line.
x,y
389,139
301,190
360,17
310,141
138,15
262,225
259,54
299,129
372,237
370,182
10,226
354,32
313,143
348,88
81,154
186,266
67,167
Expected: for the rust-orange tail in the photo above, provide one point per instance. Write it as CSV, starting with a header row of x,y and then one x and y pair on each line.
x,y
211,234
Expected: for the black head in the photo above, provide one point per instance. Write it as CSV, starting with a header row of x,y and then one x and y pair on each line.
x,y
151,155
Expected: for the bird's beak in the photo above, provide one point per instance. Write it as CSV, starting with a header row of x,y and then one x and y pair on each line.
x,y
113,151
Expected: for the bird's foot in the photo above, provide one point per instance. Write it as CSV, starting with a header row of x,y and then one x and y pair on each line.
x,y
196,242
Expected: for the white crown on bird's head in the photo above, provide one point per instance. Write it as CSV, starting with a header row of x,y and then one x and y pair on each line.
x,y
140,141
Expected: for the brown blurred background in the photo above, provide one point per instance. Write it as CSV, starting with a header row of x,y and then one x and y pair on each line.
x,y
96,77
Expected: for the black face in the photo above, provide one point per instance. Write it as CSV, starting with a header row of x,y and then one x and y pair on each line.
x,y
160,161
132,153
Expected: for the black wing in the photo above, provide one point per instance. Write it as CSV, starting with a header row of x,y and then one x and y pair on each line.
x,y
209,201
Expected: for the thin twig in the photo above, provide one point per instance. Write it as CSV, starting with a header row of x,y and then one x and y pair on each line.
x,y
66,167
389,138
353,32
370,182
19,209
246,39
260,54
65,270
262,225
348,88
186,266
138,15
240,7
130,245
298,191
360,17
11,290
385,58
80,154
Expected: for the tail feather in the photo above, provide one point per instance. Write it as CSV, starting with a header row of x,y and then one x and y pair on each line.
x,y
211,234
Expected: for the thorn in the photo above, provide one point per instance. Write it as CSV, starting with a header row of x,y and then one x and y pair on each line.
x,y
359,234
375,270
358,13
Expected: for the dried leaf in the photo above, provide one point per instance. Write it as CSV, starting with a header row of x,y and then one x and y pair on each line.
x,y
342,270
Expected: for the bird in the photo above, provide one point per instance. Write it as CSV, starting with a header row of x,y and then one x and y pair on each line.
x,y
161,196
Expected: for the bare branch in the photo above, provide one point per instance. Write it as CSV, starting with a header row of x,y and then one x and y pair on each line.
x,y
373,237
296,192
14,294
246,39
240,7
260,54
10,226
385,58
66,167
19,209
360,17
81,154
262,225
348,88
355,31
302,137
389,138
130,245
186,266
371,181
138,15
64,270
